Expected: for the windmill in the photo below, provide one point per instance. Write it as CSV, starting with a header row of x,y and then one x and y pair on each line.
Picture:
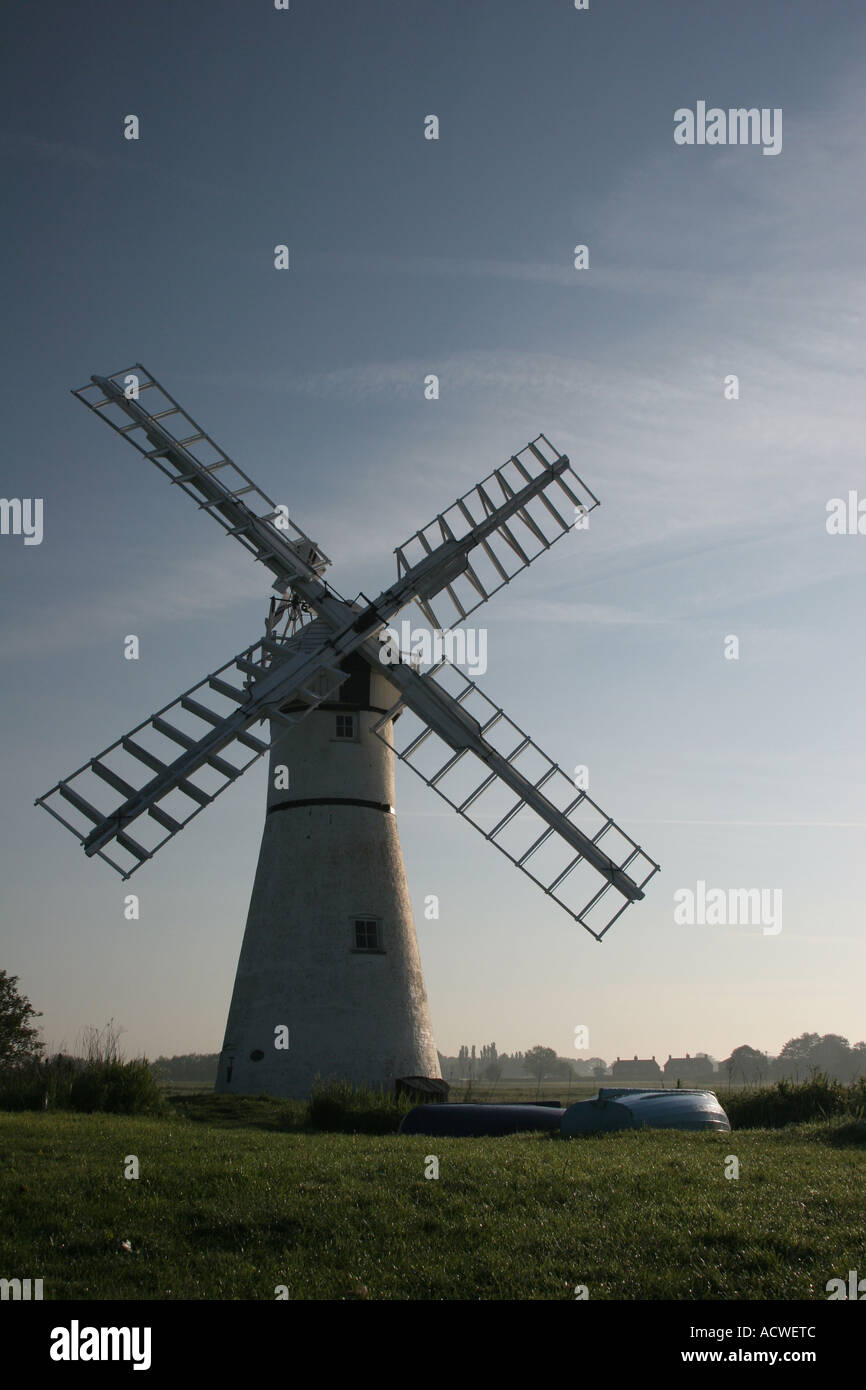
x,y
329,978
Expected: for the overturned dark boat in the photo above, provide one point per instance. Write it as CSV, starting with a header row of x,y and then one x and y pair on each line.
x,y
477,1120
615,1107
618,1107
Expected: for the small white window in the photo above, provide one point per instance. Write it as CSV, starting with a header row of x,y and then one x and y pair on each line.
x,y
345,726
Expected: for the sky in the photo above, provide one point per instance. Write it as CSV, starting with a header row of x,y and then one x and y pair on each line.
x,y
455,257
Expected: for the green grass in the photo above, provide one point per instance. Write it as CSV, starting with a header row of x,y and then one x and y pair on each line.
x,y
334,1106
239,1112
512,1089
240,1200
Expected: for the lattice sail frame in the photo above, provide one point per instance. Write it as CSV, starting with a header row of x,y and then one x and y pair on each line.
x,y
504,818
500,557
184,452
212,722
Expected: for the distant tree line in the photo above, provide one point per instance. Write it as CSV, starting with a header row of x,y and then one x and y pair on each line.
x,y
800,1058
488,1064
807,1055
188,1066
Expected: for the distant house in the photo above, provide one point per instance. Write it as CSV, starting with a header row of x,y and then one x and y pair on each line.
x,y
687,1068
636,1069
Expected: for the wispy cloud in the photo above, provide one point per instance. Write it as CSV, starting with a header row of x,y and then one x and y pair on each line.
x,y
36,147
592,614
196,586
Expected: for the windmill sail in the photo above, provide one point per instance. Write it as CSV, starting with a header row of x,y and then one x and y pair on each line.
x,y
503,524
211,723
142,412
466,748
466,554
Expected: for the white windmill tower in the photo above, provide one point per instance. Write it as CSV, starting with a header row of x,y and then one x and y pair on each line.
x,y
329,979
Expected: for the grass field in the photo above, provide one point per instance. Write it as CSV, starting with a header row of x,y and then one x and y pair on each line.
x,y
235,1200
501,1092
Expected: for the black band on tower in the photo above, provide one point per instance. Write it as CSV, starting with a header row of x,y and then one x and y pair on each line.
x,y
331,801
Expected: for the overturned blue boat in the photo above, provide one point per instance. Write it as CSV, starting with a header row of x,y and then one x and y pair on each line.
x,y
615,1107
618,1107
477,1120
